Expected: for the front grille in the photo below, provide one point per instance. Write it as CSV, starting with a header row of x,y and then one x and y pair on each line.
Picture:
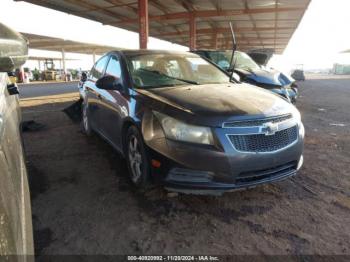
x,y
266,174
264,143
257,122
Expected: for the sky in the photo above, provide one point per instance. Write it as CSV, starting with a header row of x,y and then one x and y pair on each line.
x,y
321,35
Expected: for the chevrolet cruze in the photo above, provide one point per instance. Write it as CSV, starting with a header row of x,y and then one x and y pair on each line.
x,y
180,121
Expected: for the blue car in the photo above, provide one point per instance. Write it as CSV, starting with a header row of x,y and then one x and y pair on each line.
x,y
250,72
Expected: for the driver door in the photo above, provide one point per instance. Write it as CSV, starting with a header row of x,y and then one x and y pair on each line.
x,y
114,105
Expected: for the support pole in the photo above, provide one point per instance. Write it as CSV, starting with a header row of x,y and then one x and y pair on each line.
x,y
143,23
64,64
22,73
193,32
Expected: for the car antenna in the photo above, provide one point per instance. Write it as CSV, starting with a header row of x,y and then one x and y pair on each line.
x,y
234,47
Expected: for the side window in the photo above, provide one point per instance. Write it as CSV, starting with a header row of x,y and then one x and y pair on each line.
x,y
97,71
113,68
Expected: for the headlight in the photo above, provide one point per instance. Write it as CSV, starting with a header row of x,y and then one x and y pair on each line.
x,y
177,130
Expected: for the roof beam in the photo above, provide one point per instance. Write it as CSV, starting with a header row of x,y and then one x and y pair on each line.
x,y
66,47
246,39
223,30
187,4
211,13
251,18
199,22
164,9
130,6
107,7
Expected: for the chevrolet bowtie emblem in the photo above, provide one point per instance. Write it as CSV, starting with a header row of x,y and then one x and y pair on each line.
x,y
269,129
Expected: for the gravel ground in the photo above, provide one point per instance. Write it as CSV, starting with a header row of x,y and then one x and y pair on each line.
x,y
83,203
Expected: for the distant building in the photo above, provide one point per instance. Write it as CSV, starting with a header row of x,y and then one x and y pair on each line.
x,y
341,69
342,66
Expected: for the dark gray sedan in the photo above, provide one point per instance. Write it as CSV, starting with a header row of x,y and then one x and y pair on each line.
x,y
179,121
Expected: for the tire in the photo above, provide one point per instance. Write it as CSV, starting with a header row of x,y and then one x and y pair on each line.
x,y
136,158
85,122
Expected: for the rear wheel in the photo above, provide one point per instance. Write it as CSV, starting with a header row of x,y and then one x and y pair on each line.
x,y
137,160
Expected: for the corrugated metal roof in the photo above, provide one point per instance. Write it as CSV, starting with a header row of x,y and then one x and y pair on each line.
x,y
257,23
57,44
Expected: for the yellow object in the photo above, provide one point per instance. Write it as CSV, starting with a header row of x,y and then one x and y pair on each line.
x,y
13,79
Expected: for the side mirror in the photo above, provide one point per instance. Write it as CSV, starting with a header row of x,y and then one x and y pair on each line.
x,y
109,82
12,89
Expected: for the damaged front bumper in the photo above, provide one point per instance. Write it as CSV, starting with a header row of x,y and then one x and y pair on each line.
x,y
206,182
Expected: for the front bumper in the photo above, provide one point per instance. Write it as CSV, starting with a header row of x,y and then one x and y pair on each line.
x,y
190,181
200,169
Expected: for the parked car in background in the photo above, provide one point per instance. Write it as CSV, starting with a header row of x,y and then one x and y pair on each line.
x,y
250,72
179,120
298,75
16,234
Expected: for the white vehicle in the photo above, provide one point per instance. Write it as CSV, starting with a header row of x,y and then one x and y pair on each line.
x,y
16,233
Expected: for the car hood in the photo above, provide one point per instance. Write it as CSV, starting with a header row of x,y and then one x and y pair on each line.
x,y
266,77
213,104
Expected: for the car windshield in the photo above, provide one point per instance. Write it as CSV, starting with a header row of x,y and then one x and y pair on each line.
x,y
165,69
241,60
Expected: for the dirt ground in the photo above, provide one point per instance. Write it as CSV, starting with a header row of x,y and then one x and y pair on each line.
x,y
83,203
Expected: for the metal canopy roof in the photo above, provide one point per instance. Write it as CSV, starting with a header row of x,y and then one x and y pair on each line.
x,y
43,58
257,23
59,44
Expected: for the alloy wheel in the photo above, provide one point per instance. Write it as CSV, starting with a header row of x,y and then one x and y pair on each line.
x,y
135,158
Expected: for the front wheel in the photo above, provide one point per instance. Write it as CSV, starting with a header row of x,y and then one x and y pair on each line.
x,y
137,160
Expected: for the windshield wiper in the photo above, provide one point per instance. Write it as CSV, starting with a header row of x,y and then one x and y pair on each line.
x,y
171,77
